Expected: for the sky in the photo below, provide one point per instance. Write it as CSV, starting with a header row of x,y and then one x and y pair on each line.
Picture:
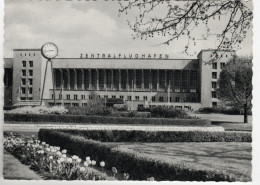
x,y
87,27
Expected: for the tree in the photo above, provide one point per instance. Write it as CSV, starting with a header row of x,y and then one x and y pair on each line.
x,y
235,84
186,18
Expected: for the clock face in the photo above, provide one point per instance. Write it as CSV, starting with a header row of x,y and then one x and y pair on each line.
x,y
49,50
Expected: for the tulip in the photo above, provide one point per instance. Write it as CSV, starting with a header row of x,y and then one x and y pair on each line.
x,y
86,163
102,163
64,155
93,162
58,161
61,159
53,150
43,143
78,160
58,153
74,157
51,157
126,176
69,160
87,158
64,151
57,148
47,149
81,169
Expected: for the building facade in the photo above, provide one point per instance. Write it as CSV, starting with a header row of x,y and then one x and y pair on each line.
x,y
181,83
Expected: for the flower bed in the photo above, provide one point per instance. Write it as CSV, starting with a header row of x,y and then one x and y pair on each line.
x,y
51,162
161,136
103,119
138,166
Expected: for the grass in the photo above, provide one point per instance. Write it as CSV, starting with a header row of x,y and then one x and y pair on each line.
x,y
14,169
233,158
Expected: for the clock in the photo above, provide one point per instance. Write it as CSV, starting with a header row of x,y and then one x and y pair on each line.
x,y
49,50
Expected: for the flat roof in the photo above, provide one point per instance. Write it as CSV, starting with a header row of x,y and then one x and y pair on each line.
x,y
27,49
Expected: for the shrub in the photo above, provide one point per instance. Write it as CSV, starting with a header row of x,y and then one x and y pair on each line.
x,y
103,119
161,136
39,110
101,111
222,110
137,165
168,112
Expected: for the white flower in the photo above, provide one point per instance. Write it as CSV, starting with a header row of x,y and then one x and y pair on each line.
x,y
74,157
87,158
28,144
69,160
32,136
53,150
64,151
82,169
47,149
64,155
102,163
43,143
62,159
78,160
58,161
89,162
51,157
57,148
58,153
93,162
86,163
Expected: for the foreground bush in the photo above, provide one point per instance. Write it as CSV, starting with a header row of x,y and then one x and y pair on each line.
x,y
136,164
161,136
39,110
102,119
222,110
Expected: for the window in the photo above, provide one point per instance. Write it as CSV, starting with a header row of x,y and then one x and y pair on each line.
x,y
75,97
193,99
105,96
24,63
30,90
52,97
23,90
83,97
31,98
23,98
153,98
145,98
60,96
214,75
90,97
30,72
177,99
30,81
214,85
214,94
136,97
84,104
140,105
24,72
29,54
68,97
222,65
214,104
31,63
75,104
121,97
214,65
33,54
160,99
67,104
23,81
129,98
113,96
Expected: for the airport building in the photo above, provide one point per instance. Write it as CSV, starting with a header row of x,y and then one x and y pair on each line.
x,y
139,82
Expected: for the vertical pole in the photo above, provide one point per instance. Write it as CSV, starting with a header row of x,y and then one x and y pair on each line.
x,y
132,94
53,81
44,80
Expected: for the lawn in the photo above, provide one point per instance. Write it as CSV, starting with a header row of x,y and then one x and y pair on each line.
x,y
233,158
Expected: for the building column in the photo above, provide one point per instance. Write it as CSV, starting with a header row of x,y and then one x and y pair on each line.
x,y
134,79
112,80
127,80
142,86
150,80
97,77
68,85
105,79
61,79
165,79
54,76
119,80
158,81
90,80
75,80
83,79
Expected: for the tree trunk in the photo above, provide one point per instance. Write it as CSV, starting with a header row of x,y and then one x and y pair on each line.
x,y
245,113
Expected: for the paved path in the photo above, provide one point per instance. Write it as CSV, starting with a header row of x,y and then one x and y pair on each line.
x,y
36,127
14,169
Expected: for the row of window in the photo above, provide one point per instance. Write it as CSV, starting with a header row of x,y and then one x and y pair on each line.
x,y
211,55
29,54
23,89
30,63
24,72
215,65
30,81
129,98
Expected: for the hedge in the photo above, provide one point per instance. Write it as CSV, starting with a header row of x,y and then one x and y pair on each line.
x,y
137,165
77,119
160,136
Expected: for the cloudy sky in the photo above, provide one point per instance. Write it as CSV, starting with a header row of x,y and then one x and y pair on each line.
x,y
83,27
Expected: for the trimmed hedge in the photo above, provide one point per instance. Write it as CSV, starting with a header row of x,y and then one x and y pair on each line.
x,y
138,166
103,120
160,136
